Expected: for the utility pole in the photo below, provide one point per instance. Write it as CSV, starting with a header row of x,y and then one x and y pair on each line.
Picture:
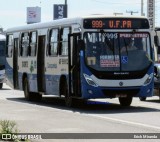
x,y
65,2
66,8
142,4
131,12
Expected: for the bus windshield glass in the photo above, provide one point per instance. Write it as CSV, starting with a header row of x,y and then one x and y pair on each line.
x,y
117,51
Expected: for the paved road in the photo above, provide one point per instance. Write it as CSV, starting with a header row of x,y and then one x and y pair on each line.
x,y
100,116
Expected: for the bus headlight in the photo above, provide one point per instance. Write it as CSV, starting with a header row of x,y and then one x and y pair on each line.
x,y
148,80
90,80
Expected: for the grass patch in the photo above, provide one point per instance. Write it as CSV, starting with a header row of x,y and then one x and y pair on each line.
x,y
9,127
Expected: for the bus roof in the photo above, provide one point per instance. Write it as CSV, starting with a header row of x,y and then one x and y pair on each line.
x,y
63,21
44,24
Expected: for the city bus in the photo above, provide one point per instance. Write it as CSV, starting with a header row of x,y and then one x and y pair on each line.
x,y
2,59
81,58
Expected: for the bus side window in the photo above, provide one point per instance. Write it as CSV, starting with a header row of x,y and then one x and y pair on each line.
x,y
33,44
9,45
24,44
64,41
53,42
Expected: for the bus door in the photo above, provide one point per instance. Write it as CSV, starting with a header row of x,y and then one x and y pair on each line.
x,y
41,64
74,65
15,63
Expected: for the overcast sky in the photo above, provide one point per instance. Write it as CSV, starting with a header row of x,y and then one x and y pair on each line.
x,y
13,12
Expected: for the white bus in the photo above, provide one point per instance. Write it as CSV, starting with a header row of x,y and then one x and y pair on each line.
x,y
2,59
81,58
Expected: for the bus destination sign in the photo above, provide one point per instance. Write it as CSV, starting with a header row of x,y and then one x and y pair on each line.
x,y
116,23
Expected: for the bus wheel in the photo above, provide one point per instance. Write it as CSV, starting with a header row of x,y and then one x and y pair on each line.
x,y
36,97
125,101
27,94
30,96
142,98
1,85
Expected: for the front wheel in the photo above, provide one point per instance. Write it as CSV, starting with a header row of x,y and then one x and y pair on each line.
x,y
125,101
27,94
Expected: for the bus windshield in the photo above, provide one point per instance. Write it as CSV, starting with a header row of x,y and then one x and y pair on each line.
x,y
117,51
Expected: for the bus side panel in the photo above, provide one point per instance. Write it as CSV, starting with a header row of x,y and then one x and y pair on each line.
x,y
52,75
55,68
32,74
27,66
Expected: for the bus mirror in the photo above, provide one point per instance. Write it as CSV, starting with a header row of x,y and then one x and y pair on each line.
x,y
81,44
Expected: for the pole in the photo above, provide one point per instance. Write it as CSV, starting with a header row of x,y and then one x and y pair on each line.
x,y
66,8
142,14
65,2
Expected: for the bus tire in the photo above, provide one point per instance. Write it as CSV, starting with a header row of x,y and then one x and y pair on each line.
x,y
125,101
27,94
36,97
142,98
30,96
1,85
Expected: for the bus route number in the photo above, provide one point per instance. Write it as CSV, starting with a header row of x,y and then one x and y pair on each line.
x,y
97,24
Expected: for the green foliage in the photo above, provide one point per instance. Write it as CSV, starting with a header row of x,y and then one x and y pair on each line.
x,y
9,127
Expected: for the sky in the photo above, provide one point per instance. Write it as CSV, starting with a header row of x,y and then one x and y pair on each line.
x,y
13,12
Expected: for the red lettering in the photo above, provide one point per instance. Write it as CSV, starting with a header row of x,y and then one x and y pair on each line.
x,y
117,23
111,24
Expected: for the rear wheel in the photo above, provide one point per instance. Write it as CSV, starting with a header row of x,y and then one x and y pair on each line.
x,y
27,94
125,101
30,96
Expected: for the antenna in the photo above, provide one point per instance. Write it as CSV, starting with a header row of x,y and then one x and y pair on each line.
x,y
131,12
116,13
